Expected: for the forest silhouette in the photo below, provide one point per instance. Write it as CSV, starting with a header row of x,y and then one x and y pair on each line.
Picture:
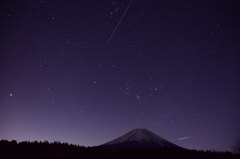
x,y
47,150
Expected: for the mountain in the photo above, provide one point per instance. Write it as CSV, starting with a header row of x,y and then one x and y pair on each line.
x,y
138,138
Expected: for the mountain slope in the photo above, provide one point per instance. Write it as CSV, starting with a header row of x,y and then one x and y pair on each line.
x,y
138,138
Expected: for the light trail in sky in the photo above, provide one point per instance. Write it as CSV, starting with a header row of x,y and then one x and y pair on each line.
x,y
183,138
170,113
119,22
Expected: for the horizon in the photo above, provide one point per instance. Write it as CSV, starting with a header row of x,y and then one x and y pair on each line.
x,y
52,141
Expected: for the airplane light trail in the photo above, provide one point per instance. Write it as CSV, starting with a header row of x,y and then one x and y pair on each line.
x,y
170,113
183,138
119,21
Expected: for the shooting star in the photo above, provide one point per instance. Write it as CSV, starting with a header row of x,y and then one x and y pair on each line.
x,y
183,138
119,22
170,113
138,96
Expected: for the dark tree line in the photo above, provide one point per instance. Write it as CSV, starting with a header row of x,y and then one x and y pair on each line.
x,y
236,146
46,150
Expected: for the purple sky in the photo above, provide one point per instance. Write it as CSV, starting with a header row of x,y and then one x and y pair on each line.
x,y
83,72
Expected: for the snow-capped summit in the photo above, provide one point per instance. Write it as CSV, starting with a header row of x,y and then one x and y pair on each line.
x,y
138,138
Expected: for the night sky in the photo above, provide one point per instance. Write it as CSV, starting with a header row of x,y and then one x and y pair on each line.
x,y
88,71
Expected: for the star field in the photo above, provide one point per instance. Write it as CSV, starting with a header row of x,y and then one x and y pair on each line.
x,y
170,66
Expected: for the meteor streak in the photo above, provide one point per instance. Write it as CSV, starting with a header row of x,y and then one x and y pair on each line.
x,y
183,138
170,113
119,22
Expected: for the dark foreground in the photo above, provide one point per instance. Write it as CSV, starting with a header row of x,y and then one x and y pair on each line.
x,y
46,150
